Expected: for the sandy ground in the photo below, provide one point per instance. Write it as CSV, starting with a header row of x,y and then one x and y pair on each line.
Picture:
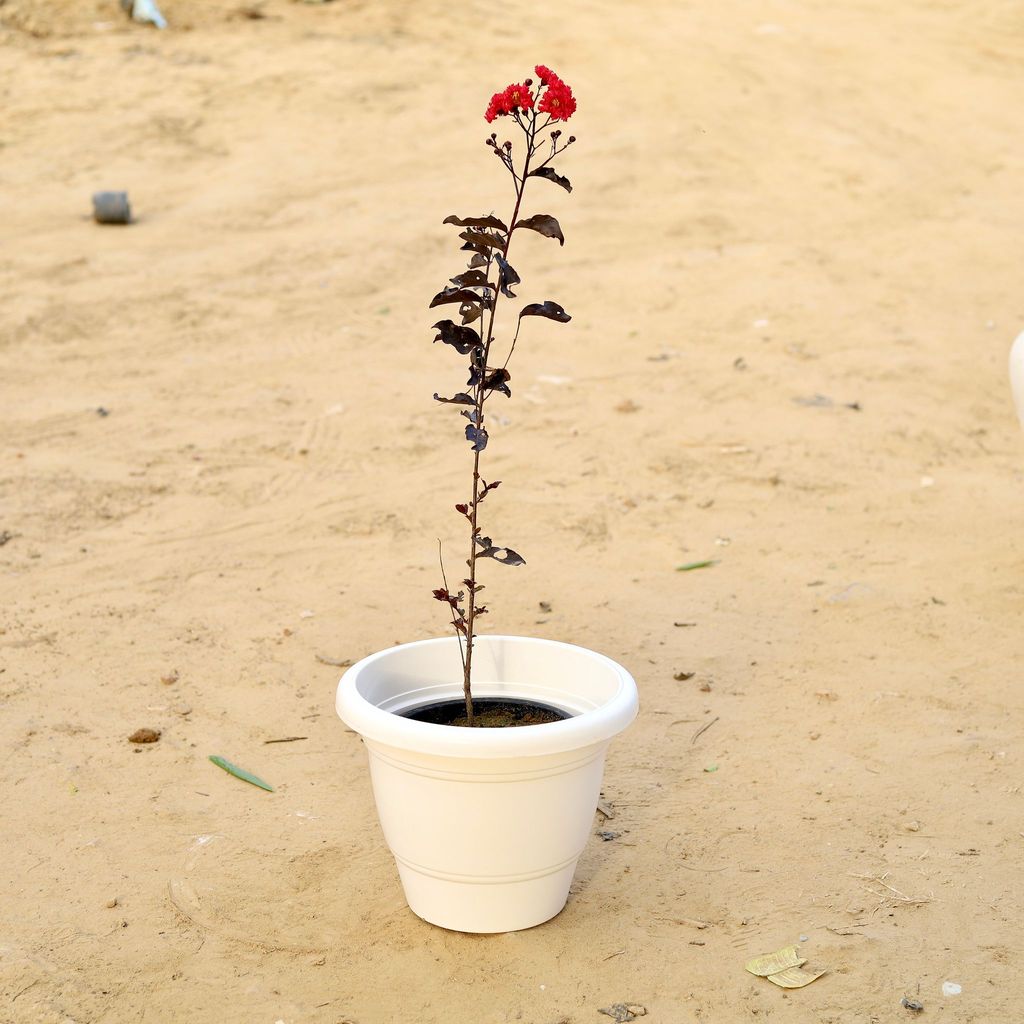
x,y
780,210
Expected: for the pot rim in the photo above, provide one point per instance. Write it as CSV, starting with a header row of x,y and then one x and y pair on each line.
x,y
587,728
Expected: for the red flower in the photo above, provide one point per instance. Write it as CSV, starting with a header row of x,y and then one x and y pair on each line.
x,y
547,76
558,101
514,97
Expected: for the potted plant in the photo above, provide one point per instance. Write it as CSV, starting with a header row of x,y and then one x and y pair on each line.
x,y
486,752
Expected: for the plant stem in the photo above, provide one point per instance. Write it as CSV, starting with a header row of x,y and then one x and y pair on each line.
x,y
481,395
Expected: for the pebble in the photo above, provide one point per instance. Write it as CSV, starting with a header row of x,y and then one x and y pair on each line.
x,y
171,677
913,826
110,904
144,736
182,709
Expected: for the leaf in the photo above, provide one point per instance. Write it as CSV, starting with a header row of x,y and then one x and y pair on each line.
x,y
490,379
497,380
552,175
544,224
690,566
240,773
447,295
463,339
552,310
491,550
481,238
476,222
506,276
772,963
472,279
460,399
794,977
478,435
478,260
470,313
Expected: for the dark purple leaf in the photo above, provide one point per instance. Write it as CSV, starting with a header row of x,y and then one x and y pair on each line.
x,y
476,222
460,399
506,276
447,295
471,312
552,310
463,508
543,223
472,279
551,175
478,435
490,379
463,339
497,380
482,239
478,260
504,555
471,414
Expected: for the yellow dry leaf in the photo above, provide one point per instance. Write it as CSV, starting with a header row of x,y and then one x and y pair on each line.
x,y
772,963
794,977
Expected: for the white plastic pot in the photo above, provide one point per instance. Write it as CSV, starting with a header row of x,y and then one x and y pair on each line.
x,y
487,825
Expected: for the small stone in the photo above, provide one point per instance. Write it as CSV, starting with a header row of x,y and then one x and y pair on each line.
x,y
815,735
110,904
913,826
144,736
171,677
182,709
705,687
319,961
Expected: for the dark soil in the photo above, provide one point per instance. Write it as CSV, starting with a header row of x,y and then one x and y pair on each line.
x,y
488,713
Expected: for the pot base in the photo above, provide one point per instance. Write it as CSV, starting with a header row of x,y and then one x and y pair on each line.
x,y
486,905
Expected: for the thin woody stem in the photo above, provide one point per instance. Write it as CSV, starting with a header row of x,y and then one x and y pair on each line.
x,y
481,396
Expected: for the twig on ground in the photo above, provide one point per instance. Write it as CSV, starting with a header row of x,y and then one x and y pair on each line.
x,y
334,662
703,729
893,896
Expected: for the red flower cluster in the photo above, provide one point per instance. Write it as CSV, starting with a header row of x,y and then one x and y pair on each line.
x,y
514,97
558,101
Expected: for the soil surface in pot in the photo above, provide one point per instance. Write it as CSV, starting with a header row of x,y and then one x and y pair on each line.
x,y
488,713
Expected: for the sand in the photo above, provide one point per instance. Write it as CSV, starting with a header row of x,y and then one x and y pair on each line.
x,y
793,261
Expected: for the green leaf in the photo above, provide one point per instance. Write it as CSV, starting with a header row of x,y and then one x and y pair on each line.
x,y
690,566
711,768
240,773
